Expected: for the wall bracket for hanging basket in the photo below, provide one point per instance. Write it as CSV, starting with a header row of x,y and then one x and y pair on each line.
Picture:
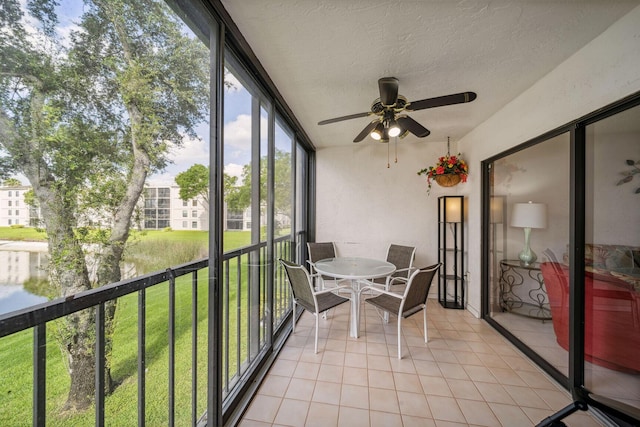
x,y
447,180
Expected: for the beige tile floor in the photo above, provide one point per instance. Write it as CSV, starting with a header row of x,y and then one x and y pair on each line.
x,y
467,375
540,336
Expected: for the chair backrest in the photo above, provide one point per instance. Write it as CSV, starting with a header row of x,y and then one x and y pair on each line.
x,y
401,257
300,284
318,251
415,295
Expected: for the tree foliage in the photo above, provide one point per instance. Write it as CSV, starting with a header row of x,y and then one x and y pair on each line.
x,y
11,182
194,182
86,121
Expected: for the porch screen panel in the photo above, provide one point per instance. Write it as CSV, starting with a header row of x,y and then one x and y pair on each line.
x,y
283,220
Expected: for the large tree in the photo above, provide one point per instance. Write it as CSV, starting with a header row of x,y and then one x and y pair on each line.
x,y
194,182
86,123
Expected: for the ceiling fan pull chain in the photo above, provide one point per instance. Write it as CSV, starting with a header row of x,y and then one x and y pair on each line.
x,y
388,165
448,153
396,148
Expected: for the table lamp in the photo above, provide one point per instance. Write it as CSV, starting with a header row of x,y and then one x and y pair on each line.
x,y
528,215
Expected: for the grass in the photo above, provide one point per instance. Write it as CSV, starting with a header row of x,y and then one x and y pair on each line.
x,y
121,406
26,234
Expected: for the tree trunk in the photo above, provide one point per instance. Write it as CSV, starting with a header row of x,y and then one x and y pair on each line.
x,y
69,274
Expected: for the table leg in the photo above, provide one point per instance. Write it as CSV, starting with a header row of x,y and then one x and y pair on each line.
x,y
355,310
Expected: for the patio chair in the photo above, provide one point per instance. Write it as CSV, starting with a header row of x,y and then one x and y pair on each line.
x,y
318,251
304,294
402,257
411,301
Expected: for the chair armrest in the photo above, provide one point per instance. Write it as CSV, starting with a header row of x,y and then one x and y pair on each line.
x,y
404,280
409,270
393,294
326,291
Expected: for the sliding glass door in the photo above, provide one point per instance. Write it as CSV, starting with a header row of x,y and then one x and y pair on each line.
x,y
529,224
612,257
561,273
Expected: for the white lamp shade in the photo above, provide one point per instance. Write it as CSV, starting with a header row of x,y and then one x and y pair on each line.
x,y
453,206
529,215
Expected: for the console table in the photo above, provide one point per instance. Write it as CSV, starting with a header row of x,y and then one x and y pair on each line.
x,y
522,290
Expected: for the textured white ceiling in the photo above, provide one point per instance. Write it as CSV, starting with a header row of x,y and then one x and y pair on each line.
x,y
326,56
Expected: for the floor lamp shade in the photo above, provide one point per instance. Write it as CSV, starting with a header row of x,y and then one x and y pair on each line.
x,y
454,209
527,216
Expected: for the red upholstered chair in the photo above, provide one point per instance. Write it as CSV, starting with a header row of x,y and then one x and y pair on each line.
x,y
612,317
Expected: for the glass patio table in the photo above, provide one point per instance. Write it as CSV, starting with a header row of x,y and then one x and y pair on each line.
x,y
355,270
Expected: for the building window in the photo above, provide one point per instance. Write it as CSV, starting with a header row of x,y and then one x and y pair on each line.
x,y
194,224
17,193
9,202
9,193
194,202
9,222
9,212
184,224
185,203
185,214
194,214
17,202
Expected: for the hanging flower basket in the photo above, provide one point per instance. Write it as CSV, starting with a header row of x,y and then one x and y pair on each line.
x,y
447,172
448,180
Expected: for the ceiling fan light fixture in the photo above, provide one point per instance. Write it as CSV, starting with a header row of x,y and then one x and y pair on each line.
x,y
377,132
394,129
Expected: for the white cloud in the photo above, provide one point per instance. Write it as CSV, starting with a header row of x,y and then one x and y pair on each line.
x,y
192,151
237,133
234,169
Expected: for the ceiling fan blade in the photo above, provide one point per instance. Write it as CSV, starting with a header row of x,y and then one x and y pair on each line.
x,y
406,122
349,117
366,131
388,87
440,101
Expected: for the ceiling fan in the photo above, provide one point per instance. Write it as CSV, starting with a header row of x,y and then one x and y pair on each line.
x,y
387,108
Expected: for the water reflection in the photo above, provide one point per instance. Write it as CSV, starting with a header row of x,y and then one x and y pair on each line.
x,y
21,263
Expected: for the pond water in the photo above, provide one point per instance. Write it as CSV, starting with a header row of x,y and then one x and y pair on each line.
x,y
19,263
26,262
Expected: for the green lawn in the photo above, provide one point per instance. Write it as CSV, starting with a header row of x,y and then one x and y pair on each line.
x,y
22,234
121,406
232,239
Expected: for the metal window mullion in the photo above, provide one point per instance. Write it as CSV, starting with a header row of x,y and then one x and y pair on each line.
x,y
251,314
263,294
216,160
39,374
577,229
99,365
225,310
172,346
238,313
270,218
194,347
